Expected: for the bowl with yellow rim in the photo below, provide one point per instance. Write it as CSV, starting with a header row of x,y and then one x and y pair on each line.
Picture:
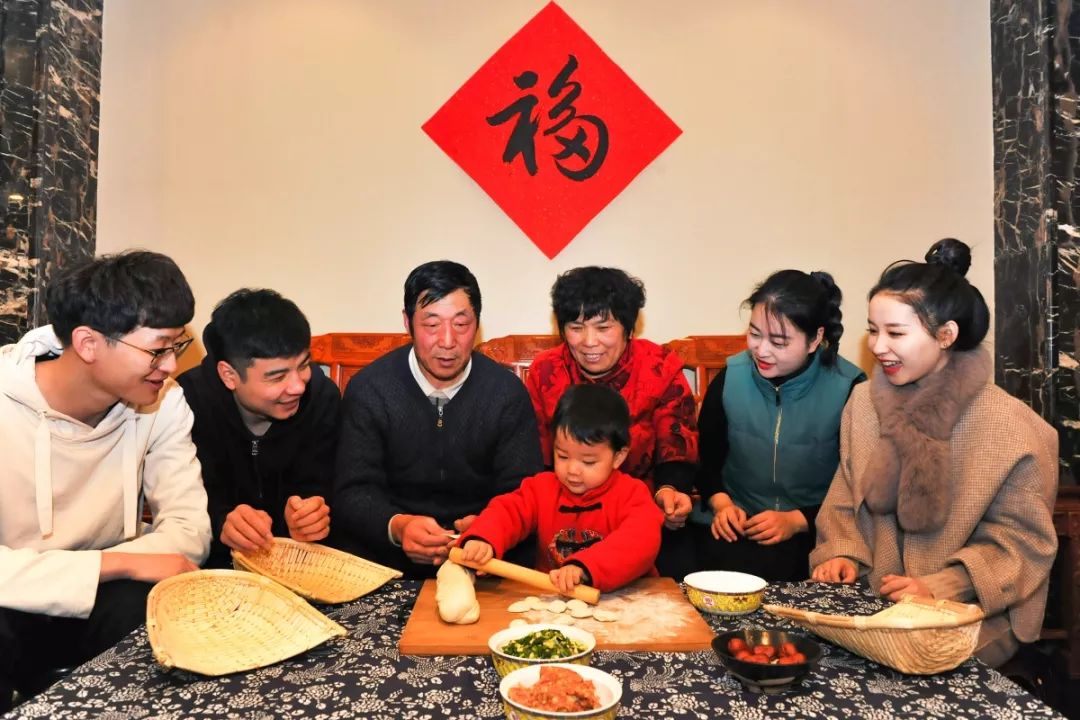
x,y
607,688
722,592
505,662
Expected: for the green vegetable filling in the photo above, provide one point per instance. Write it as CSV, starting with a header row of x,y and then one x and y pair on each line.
x,y
543,645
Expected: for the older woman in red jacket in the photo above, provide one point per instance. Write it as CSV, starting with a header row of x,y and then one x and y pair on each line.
x,y
596,309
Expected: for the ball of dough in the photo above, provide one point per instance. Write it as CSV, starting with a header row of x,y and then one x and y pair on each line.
x,y
455,595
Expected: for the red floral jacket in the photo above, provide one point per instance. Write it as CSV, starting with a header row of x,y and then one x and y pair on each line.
x,y
663,422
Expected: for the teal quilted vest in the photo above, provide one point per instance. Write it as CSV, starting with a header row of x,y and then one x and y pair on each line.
x,y
783,442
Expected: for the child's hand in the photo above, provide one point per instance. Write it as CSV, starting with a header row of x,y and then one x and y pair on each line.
x,y
477,551
566,578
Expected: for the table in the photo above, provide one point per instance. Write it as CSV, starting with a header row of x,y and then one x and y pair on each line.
x,y
363,676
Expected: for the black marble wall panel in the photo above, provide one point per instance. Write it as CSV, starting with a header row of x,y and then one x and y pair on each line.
x,y
1064,44
51,57
1034,46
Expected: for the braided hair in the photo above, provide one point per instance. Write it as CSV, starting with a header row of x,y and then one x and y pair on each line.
x,y
809,301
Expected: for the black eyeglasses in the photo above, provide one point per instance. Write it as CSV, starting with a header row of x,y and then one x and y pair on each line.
x,y
158,355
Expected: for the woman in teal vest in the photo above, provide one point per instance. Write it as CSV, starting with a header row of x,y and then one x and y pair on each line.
x,y
770,428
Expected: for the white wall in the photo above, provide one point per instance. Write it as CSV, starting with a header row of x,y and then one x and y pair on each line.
x,y
277,143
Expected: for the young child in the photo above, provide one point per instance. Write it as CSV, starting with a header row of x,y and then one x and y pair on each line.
x,y
594,524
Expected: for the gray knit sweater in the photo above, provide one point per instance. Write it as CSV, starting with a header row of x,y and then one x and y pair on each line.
x,y
393,457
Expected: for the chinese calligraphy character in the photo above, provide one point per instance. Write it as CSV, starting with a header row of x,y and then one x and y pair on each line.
x,y
522,140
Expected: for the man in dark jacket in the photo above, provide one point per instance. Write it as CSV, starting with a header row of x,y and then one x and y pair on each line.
x,y
266,425
430,432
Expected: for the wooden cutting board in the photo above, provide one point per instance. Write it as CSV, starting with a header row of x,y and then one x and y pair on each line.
x,y
654,615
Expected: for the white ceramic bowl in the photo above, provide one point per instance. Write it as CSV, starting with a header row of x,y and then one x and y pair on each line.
x,y
608,692
506,663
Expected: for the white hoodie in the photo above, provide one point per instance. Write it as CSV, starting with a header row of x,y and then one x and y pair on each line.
x,y
69,491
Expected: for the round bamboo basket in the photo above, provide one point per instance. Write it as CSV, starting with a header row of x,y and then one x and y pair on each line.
x,y
917,636
316,572
216,622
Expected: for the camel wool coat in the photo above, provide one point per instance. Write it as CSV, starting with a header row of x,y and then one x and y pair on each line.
x,y
996,543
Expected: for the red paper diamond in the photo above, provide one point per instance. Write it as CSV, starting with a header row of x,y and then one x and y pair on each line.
x,y
530,128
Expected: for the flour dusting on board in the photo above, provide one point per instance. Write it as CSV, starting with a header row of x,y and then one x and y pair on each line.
x,y
643,615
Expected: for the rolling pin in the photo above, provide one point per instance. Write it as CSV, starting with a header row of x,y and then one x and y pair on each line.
x,y
537,579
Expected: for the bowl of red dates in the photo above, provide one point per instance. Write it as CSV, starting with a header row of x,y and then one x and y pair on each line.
x,y
766,660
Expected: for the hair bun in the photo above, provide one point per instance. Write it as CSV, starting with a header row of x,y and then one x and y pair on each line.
x,y
951,253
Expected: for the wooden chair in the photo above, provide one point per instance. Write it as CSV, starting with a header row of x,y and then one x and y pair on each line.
x,y
704,356
344,354
516,352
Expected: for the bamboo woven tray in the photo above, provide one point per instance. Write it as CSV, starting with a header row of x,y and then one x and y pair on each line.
x,y
217,622
916,635
316,572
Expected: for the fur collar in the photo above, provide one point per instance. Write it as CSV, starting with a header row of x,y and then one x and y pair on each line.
x,y
909,472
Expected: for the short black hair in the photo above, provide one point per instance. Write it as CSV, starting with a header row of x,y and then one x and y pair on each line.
x,y
434,280
256,323
115,294
588,292
593,414
938,292
809,301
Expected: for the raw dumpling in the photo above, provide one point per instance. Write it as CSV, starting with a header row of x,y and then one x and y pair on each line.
x,y
556,606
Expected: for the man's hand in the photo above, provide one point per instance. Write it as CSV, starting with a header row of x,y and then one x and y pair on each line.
x,y
463,524
895,587
308,519
477,551
423,540
728,518
837,570
567,578
247,529
676,506
774,526
145,568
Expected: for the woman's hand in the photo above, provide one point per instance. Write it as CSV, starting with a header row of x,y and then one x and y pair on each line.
x,y
774,526
728,518
837,570
675,505
895,587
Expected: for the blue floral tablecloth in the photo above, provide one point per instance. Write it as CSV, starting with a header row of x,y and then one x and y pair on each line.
x,y
362,676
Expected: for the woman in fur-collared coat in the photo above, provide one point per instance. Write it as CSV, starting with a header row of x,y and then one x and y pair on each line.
x,y
946,483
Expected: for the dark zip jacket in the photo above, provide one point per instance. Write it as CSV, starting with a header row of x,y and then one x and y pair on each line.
x,y
294,457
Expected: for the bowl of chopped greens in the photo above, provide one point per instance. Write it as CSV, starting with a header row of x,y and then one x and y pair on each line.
x,y
528,645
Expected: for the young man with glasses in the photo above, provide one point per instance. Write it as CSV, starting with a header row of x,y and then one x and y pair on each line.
x,y
266,425
91,426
